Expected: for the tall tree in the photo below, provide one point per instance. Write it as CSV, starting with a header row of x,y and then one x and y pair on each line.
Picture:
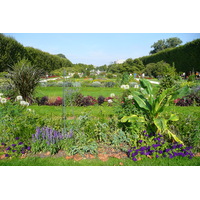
x,y
164,44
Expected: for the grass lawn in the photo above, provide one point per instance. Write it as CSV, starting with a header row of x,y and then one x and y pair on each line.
x,y
36,161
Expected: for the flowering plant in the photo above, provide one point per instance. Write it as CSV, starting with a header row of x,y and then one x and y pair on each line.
x,y
48,139
155,146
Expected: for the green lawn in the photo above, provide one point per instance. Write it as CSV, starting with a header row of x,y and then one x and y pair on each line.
x,y
86,91
36,161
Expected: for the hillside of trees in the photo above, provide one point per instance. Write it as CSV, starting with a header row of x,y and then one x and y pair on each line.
x,y
12,51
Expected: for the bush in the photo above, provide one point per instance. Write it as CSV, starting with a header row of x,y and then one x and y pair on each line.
x,y
188,129
76,75
100,100
96,84
25,78
109,84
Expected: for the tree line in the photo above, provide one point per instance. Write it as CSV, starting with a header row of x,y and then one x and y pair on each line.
x,y
12,52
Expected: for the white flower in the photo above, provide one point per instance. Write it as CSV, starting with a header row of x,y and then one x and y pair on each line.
x,y
19,98
3,100
126,87
1,94
110,101
136,86
130,96
24,103
112,95
29,110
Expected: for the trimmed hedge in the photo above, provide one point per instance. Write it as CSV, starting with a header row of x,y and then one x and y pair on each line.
x,y
185,58
12,51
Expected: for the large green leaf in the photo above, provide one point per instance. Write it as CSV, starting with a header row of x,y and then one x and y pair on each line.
x,y
174,137
132,118
141,102
181,92
161,124
146,85
173,117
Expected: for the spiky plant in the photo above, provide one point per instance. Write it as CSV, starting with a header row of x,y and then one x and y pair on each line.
x,y
24,78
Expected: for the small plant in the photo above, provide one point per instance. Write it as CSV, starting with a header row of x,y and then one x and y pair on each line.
x,y
16,148
47,139
100,100
155,146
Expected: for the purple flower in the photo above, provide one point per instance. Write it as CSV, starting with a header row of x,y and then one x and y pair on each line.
x,y
157,156
160,152
28,148
20,143
7,155
13,145
167,150
134,154
13,151
140,141
144,131
134,159
23,152
170,155
3,143
17,138
8,148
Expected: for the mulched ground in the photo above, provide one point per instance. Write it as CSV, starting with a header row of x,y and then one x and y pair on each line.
x,y
104,152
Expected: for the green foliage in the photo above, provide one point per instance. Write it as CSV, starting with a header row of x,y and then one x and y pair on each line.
x,y
24,78
188,129
11,52
185,57
159,69
153,109
191,78
17,121
164,44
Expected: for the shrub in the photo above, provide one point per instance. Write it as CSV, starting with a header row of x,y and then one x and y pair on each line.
x,y
109,84
191,78
100,100
76,84
76,75
96,84
188,129
88,101
42,100
25,78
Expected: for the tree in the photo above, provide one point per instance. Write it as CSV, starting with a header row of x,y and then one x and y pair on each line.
x,y
61,55
173,42
164,44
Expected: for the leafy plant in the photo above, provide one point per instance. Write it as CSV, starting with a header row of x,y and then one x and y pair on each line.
x,y
24,78
155,146
153,109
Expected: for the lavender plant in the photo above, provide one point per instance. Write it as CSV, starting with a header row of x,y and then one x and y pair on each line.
x,y
47,139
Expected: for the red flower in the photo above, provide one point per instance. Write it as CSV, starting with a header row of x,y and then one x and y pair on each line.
x,y
176,100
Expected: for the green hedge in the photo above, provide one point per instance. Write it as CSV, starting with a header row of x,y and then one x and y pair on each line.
x,y
185,58
12,51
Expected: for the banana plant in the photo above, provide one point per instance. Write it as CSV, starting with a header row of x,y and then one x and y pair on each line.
x,y
154,107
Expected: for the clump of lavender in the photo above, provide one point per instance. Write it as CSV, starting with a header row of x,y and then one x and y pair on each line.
x,y
154,146
50,136
48,139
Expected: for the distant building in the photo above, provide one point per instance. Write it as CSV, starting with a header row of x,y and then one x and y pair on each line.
x,y
119,61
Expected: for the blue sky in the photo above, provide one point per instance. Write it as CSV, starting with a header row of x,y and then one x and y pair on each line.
x,y
97,48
